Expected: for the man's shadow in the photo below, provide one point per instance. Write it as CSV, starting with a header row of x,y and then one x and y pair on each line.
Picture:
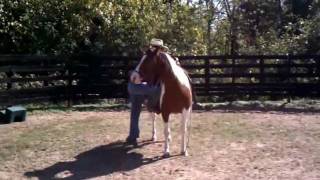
x,y
102,160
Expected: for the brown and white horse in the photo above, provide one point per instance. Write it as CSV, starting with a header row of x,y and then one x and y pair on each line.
x,y
176,94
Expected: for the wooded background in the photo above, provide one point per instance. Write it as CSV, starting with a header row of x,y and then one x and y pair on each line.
x,y
234,49
188,27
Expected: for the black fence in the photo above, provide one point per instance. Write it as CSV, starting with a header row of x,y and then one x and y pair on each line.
x,y
31,79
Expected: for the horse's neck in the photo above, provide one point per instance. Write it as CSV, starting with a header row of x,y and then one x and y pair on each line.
x,y
169,78
173,73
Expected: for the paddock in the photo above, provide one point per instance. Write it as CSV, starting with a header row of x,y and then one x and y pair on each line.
x,y
223,145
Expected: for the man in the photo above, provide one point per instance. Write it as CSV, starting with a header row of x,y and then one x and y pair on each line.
x,y
139,92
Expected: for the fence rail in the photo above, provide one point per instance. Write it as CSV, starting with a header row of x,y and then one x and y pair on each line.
x,y
28,79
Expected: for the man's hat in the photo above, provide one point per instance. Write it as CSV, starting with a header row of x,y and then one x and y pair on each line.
x,y
158,42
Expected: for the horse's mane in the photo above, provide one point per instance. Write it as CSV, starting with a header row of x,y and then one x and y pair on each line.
x,y
174,69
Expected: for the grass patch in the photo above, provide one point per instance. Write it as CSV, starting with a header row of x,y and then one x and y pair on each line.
x,y
67,137
235,130
220,130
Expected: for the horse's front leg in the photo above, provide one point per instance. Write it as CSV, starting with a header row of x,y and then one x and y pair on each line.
x,y
154,130
166,135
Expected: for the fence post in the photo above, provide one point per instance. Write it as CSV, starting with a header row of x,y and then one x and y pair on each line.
x,y
262,77
290,92
318,73
127,63
233,80
9,75
69,82
207,75
45,65
232,70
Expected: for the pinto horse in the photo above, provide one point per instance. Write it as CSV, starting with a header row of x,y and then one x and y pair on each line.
x,y
176,93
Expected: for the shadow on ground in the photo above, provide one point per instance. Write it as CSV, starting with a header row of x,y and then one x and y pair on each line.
x,y
100,161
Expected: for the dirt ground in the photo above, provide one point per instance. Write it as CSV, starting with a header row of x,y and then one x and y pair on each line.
x,y
223,145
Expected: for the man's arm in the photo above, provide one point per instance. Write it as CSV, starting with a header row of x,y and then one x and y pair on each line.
x,y
135,77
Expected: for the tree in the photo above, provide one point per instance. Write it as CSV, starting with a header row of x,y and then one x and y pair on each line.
x,y
188,27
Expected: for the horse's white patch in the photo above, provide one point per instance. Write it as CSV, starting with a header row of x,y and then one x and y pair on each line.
x,y
178,72
154,130
141,61
166,135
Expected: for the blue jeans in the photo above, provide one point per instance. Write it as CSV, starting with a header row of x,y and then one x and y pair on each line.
x,y
138,93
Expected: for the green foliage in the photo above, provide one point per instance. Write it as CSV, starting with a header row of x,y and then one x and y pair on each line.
x,y
42,27
274,26
123,27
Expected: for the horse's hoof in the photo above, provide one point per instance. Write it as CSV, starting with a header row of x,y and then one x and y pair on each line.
x,y
166,155
185,153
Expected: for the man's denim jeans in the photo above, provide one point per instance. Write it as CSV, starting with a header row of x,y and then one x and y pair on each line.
x,y
138,93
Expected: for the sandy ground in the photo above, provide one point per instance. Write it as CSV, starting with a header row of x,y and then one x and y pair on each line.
x,y
223,145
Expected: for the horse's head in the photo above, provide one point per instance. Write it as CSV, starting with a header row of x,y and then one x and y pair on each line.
x,y
151,66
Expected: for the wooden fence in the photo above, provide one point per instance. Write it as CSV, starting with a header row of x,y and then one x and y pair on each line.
x,y
30,79
272,76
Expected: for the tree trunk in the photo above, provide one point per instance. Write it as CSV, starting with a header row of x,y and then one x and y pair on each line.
x,y
233,28
279,18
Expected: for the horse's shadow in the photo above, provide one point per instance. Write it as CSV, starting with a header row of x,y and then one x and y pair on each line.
x,y
99,161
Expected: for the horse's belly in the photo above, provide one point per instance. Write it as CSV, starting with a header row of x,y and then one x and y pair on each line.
x,y
176,102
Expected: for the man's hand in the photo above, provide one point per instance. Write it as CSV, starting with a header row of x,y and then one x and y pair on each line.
x,y
135,77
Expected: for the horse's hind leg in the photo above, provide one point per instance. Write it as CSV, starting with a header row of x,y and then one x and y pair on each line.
x,y
166,135
186,113
154,130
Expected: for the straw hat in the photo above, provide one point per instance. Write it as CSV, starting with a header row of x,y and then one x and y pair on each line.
x,y
158,43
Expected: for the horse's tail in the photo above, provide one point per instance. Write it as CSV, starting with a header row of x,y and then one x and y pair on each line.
x,y
194,97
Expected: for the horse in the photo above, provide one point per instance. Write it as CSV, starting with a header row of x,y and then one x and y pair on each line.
x,y
176,93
